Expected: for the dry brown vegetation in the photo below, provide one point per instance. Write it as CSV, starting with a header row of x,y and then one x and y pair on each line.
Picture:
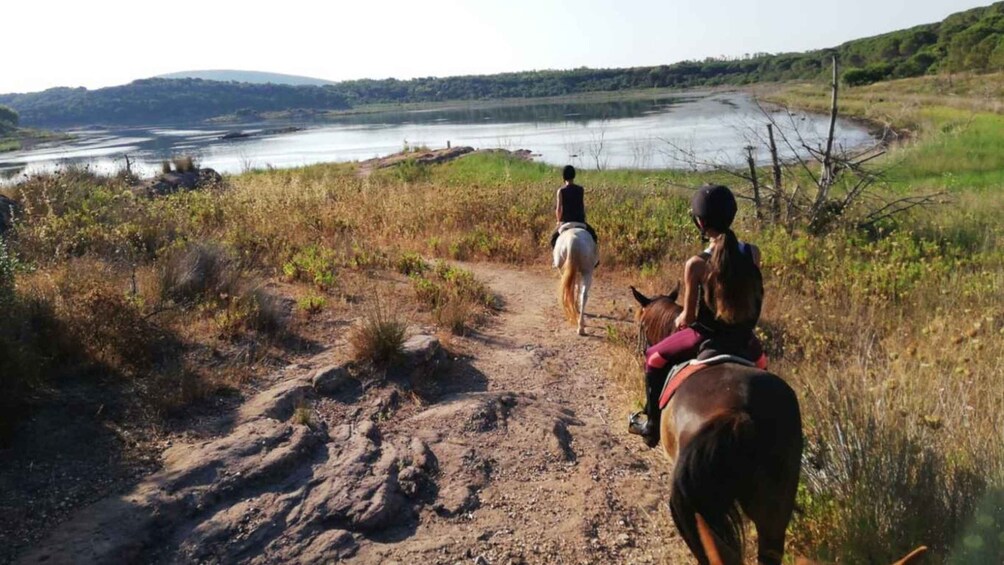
x,y
893,338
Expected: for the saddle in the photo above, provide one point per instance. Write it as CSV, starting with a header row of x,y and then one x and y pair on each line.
x,y
571,226
680,373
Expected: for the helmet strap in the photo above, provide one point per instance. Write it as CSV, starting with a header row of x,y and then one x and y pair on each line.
x,y
700,228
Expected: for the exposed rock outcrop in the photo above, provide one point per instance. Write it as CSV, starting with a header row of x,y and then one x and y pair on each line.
x,y
175,181
272,490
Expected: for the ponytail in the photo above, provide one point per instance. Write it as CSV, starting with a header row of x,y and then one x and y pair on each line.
x,y
735,281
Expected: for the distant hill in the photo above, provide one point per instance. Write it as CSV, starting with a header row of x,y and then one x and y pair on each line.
x,y
166,101
253,77
966,41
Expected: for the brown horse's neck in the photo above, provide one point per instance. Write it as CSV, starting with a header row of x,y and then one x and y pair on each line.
x,y
658,319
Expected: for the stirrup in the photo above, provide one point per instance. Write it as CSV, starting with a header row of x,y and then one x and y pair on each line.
x,y
644,428
638,424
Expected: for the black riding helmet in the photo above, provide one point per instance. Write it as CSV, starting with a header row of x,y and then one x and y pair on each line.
x,y
715,206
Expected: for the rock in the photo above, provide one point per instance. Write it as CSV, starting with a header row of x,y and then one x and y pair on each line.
x,y
480,560
421,348
332,545
332,379
410,480
421,456
423,356
269,492
443,155
118,528
175,181
278,402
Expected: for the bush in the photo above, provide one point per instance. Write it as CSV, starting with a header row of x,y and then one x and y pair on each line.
x,y
203,271
412,264
312,303
313,263
873,490
251,310
410,171
378,339
457,315
457,299
867,75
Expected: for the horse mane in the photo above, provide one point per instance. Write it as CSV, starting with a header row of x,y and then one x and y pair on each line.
x,y
658,317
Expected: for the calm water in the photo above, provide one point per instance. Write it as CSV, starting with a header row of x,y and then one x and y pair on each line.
x,y
662,132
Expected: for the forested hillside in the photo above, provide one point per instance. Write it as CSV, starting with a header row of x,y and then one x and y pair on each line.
x,y
152,101
967,41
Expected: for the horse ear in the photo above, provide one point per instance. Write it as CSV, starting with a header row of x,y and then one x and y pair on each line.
x,y
641,298
676,292
913,557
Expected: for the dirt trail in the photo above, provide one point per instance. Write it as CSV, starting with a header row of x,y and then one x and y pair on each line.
x,y
513,452
604,499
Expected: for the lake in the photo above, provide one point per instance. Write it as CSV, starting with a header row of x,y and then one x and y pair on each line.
x,y
664,131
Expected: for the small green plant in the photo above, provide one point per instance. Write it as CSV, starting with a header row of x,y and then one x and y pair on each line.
x,y
412,264
410,171
313,263
312,303
303,415
455,297
363,258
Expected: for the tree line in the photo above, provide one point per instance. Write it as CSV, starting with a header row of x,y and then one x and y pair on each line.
x,y
8,120
972,40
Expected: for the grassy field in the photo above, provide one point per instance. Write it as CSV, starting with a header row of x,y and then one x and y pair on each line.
x,y
893,338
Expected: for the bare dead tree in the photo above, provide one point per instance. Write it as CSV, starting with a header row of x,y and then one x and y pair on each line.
x,y
757,205
777,191
595,147
827,184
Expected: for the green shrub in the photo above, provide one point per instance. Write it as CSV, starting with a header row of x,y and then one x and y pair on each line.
x,y
313,263
312,303
411,171
412,264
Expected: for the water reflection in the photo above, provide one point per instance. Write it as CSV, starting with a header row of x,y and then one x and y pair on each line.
x,y
641,133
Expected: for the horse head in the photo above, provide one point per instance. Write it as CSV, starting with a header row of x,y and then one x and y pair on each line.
x,y
656,316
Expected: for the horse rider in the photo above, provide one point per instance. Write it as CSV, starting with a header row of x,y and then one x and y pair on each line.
x,y
722,296
570,206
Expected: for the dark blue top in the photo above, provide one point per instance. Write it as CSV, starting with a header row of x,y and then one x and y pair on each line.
x,y
573,209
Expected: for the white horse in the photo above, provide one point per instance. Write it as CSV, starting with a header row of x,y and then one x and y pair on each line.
x,y
575,254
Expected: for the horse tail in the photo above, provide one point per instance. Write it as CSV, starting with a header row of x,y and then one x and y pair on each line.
x,y
569,272
708,479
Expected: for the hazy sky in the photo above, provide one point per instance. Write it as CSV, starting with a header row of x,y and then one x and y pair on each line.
x,y
98,43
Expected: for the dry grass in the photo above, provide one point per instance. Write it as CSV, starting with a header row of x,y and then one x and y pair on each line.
x,y
378,338
893,339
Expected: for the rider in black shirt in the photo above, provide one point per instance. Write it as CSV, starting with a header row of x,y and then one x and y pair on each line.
x,y
570,205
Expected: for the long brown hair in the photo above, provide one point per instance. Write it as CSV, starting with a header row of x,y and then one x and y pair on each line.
x,y
735,282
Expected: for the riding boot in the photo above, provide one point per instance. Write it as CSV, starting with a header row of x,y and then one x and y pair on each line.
x,y
654,380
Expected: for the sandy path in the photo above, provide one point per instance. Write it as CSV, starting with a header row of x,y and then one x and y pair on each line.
x,y
605,499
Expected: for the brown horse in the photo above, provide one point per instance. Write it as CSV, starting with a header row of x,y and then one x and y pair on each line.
x,y
735,433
